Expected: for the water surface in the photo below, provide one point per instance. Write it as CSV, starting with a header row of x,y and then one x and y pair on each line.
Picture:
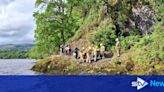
x,y
16,67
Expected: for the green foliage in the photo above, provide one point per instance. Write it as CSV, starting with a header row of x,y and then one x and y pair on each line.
x,y
146,40
150,48
99,21
13,54
106,36
59,22
89,18
55,25
15,51
158,6
128,42
157,45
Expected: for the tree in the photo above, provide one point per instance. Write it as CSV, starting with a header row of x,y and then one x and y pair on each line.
x,y
55,25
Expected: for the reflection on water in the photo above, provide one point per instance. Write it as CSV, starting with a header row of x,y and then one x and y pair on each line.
x,y
16,67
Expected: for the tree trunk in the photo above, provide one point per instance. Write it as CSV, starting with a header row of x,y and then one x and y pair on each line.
x,y
61,9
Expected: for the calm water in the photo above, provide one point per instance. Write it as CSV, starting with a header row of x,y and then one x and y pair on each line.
x,y
16,67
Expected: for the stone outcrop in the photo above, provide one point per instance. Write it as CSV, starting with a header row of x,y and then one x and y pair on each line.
x,y
144,18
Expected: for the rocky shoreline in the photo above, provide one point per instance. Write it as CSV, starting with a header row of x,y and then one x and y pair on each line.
x,y
64,65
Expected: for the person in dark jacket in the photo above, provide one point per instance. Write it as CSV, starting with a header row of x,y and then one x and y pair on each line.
x,y
76,53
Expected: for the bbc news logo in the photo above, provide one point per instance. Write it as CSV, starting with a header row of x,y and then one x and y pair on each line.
x,y
140,83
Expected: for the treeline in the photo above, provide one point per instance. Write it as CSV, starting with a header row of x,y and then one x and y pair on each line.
x,y
13,54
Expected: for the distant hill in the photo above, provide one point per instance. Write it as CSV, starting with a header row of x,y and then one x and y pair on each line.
x,y
23,47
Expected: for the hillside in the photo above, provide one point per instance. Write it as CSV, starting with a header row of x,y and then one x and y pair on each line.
x,y
16,47
15,51
137,23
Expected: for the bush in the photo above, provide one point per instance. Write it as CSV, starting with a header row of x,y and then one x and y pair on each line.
x,y
128,42
157,45
106,36
146,40
150,48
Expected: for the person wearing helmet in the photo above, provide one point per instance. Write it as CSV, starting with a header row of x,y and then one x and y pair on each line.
x,y
89,52
102,51
118,47
95,52
81,54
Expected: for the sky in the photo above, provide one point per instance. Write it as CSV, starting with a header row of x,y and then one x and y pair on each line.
x,y
16,21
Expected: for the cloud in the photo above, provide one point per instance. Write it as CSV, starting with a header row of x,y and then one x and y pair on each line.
x,y
16,21
5,2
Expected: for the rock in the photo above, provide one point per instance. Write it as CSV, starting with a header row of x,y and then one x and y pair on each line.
x,y
152,71
144,18
117,63
129,66
109,55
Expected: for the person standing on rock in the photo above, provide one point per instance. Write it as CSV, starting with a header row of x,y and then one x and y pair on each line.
x,y
118,47
102,51
89,52
95,52
62,50
84,54
76,53
81,54
68,50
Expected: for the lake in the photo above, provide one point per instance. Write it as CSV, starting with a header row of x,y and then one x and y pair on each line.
x,y
16,67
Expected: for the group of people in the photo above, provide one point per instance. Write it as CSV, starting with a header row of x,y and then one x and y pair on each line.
x,y
88,54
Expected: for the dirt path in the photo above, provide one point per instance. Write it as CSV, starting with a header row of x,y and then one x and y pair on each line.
x,y
105,59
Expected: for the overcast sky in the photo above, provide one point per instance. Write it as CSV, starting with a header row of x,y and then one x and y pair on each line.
x,y
16,21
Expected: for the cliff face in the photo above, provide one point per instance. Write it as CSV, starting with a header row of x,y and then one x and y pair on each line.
x,y
144,18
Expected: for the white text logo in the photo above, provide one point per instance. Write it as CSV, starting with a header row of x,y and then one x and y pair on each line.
x,y
140,83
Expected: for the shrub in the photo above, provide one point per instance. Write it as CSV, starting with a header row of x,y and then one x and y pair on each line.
x,y
146,40
128,42
106,36
150,48
157,45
